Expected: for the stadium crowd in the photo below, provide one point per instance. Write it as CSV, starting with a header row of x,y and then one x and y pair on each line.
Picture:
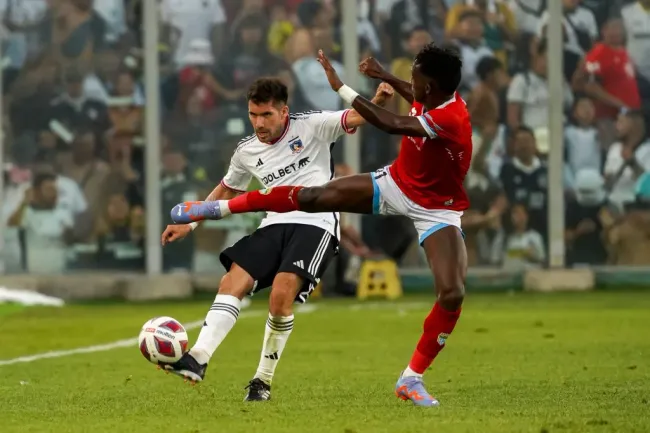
x,y
73,109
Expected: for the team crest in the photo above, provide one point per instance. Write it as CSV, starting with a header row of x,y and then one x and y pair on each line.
x,y
296,145
265,191
442,338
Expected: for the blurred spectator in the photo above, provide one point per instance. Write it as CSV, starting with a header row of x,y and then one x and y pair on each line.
x,y
125,86
405,15
583,147
580,32
366,30
528,96
90,173
401,66
607,75
280,30
525,179
629,239
46,225
73,31
636,17
499,27
114,15
472,47
187,20
482,221
297,102
316,19
120,235
527,15
627,159
246,57
317,33
524,247
196,77
75,111
176,188
483,106
584,226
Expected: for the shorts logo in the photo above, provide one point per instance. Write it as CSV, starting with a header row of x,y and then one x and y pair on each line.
x,y
265,191
296,145
442,338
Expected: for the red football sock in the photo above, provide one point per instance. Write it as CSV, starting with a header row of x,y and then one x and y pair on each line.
x,y
278,199
437,327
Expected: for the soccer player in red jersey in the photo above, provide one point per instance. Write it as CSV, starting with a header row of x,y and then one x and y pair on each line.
x,y
425,183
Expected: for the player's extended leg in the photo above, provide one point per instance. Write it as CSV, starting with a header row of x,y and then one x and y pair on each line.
x,y
220,319
276,334
353,194
447,258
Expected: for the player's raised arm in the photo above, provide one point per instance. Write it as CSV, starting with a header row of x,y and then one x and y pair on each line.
x,y
370,67
384,93
375,115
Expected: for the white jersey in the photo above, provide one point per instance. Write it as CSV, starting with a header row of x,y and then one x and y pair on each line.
x,y
301,156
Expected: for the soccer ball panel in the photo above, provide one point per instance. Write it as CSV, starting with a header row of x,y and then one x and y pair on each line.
x,y
163,340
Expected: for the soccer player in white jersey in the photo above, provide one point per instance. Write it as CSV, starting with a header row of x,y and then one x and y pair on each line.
x,y
289,251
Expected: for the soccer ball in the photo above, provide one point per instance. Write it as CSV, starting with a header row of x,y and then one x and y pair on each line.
x,y
163,340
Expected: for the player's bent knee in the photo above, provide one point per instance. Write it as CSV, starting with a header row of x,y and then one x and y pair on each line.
x,y
451,296
309,198
236,282
283,293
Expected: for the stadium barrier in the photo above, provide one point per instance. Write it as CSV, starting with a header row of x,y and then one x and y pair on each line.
x,y
139,287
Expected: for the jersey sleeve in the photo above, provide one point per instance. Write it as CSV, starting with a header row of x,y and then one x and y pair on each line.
x,y
238,177
440,122
330,125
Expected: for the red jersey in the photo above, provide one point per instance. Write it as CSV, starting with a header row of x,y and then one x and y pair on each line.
x,y
430,170
615,72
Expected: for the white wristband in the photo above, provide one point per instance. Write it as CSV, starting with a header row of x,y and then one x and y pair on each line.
x,y
193,225
347,94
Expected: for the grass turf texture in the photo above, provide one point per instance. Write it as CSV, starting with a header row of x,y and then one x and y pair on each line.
x,y
516,363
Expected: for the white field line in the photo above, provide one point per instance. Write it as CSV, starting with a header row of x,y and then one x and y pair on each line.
x,y
130,342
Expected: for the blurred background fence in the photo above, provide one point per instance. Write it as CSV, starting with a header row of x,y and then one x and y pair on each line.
x,y
114,110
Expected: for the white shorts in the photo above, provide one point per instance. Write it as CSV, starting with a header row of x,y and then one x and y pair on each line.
x,y
388,199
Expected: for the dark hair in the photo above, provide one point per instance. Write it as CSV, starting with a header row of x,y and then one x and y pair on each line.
x,y
307,11
419,28
41,178
443,65
265,90
525,129
486,66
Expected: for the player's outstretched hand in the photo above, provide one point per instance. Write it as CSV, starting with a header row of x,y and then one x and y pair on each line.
x,y
383,94
370,67
174,233
332,76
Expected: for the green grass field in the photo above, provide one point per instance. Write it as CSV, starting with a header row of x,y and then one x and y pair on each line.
x,y
516,363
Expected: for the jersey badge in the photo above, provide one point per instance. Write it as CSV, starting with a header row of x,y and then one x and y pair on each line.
x,y
296,146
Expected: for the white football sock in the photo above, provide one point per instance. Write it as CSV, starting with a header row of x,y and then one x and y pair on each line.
x,y
276,335
218,323
410,373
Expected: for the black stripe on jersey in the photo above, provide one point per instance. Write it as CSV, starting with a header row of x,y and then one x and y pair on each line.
x,y
303,114
244,141
336,220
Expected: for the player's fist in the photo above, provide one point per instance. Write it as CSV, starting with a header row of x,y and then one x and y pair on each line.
x,y
385,91
175,232
332,76
371,68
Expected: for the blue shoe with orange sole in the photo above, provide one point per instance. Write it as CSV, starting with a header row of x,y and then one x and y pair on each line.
x,y
192,211
412,388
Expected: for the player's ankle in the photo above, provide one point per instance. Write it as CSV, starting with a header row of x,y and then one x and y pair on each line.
x,y
201,356
409,372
